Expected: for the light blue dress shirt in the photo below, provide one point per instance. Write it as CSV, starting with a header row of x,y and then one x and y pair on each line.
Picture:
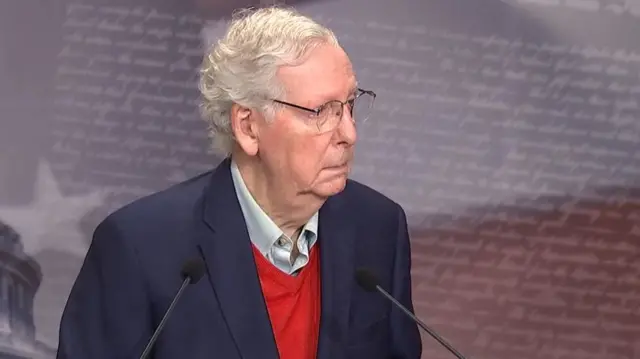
x,y
267,237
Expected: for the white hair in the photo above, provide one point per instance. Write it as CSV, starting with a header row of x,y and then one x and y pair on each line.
x,y
241,67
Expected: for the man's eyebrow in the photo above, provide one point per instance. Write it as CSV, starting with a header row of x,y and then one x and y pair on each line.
x,y
353,90
355,86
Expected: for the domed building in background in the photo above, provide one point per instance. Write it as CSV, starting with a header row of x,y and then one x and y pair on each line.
x,y
20,277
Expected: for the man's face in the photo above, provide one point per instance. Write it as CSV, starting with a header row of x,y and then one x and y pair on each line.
x,y
295,153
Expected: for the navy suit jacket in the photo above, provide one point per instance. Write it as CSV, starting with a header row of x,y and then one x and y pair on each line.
x,y
132,271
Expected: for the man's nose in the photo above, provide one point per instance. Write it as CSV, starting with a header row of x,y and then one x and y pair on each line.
x,y
347,128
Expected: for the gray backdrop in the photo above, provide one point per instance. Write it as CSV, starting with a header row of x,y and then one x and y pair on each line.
x,y
508,130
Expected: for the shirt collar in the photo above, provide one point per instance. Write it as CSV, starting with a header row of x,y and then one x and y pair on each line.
x,y
263,232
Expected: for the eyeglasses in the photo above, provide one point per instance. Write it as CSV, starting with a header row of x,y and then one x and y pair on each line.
x,y
329,115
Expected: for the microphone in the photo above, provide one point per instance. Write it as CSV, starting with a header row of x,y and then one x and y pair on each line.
x,y
369,282
192,271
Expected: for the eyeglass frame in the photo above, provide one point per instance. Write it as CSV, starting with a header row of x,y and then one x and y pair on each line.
x,y
316,111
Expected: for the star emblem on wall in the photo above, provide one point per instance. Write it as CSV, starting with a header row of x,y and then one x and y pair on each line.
x,y
52,220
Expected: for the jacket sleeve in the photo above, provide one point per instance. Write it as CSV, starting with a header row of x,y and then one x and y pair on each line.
x,y
405,337
108,314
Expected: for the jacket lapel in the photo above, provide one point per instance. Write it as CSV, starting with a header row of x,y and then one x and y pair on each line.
x,y
336,240
226,249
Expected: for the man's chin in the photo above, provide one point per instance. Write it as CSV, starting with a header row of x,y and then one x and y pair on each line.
x,y
331,187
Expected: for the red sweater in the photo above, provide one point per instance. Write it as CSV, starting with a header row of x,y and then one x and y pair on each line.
x,y
293,303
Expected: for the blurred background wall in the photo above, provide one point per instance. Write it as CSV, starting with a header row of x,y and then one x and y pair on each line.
x,y
508,130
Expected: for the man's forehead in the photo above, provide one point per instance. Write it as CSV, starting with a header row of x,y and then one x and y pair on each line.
x,y
326,72
332,85
316,88
318,94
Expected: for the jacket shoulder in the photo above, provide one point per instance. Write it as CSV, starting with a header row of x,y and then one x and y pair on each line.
x,y
368,195
163,207
369,202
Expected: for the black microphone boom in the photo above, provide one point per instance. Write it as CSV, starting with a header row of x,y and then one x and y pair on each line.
x,y
368,281
192,271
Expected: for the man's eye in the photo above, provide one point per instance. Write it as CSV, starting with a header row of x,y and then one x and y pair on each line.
x,y
319,112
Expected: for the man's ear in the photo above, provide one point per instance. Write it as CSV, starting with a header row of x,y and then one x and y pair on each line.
x,y
244,128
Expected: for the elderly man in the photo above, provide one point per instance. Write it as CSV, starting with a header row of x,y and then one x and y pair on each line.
x,y
280,228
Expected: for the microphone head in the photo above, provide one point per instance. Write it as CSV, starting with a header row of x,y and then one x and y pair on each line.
x,y
193,269
366,279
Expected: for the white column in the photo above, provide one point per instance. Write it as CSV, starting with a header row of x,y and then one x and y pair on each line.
x,y
5,326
